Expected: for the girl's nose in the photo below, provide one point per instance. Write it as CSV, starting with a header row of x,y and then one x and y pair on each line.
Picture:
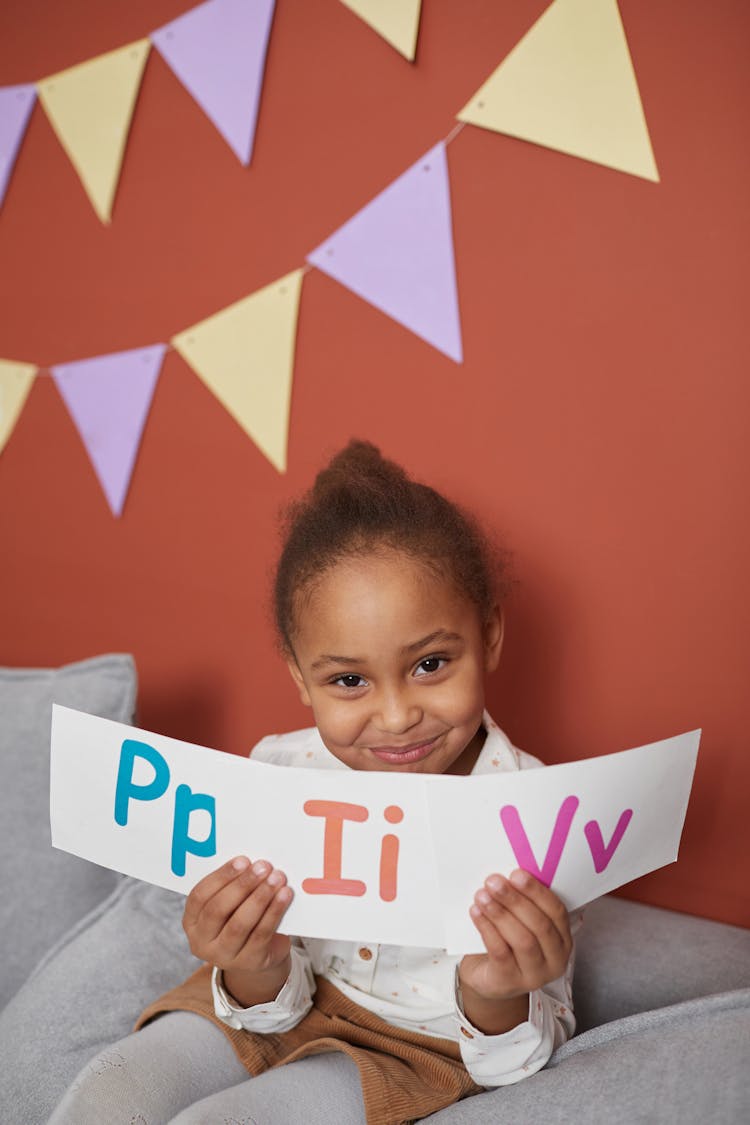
x,y
397,712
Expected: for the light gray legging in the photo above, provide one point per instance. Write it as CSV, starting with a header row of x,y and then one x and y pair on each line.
x,y
182,1070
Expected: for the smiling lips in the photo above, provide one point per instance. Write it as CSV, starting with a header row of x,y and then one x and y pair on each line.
x,y
404,755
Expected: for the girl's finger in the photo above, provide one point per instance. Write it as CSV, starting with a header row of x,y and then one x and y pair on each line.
x,y
209,913
241,920
545,899
495,943
267,924
533,920
522,942
210,885
540,951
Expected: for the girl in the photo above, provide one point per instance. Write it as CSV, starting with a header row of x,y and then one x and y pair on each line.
x,y
386,604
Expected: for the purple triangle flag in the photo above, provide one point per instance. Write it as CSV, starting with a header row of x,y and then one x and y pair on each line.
x,y
108,398
16,104
218,52
397,254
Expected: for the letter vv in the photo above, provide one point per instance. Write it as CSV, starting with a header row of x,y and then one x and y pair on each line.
x,y
601,853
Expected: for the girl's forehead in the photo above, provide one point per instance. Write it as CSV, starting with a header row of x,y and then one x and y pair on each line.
x,y
387,572
371,595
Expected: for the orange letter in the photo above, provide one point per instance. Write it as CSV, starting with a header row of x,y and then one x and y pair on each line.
x,y
389,856
335,812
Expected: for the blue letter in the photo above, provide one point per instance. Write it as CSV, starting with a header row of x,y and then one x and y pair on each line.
x,y
125,786
185,802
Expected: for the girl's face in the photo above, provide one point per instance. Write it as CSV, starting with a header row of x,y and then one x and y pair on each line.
x,y
392,660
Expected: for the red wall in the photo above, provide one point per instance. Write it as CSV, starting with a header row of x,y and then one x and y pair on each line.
x,y
599,421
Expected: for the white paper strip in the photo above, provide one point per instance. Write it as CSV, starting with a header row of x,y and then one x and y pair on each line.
x,y
379,857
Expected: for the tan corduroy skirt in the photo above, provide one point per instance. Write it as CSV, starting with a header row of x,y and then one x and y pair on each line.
x,y
404,1075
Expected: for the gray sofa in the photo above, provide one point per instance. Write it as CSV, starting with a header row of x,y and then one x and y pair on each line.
x,y
662,999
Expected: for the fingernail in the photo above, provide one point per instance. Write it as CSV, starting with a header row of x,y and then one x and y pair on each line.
x,y
284,895
260,867
483,896
496,882
520,879
240,863
275,878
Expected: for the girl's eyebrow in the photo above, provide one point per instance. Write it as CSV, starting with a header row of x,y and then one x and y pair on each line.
x,y
347,661
326,658
438,635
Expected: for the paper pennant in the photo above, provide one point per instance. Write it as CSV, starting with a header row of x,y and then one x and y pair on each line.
x,y
90,107
396,20
218,51
245,355
569,85
108,398
16,104
15,384
397,254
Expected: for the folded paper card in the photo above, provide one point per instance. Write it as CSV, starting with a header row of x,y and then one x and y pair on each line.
x,y
381,857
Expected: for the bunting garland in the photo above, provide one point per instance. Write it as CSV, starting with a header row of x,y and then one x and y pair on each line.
x,y
568,84
396,252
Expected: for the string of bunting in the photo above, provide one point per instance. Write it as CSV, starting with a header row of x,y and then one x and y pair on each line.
x,y
568,85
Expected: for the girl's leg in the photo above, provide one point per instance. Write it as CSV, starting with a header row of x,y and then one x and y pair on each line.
x,y
148,1077
321,1090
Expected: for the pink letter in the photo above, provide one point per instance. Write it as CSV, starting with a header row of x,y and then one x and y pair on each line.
x,y
519,841
335,813
600,854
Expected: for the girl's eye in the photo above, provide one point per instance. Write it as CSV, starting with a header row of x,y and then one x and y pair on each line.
x,y
350,680
428,665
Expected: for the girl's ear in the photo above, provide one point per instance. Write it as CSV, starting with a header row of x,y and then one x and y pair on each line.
x,y
494,633
296,675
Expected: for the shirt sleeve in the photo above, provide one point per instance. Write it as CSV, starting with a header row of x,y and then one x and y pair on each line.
x,y
282,1014
501,1060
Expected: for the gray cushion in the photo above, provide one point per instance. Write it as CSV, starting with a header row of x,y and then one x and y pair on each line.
x,y
631,958
87,992
45,891
686,1063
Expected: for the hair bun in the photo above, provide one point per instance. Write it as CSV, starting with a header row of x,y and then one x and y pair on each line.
x,y
355,467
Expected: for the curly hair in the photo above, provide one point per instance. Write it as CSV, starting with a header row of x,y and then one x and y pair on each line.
x,y
362,503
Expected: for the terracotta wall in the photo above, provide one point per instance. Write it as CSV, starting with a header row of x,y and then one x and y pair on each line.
x,y
599,421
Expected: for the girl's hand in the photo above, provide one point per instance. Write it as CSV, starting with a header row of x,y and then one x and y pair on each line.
x,y
231,920
525,929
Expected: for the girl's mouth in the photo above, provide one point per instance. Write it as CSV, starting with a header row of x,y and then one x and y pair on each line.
x,y
404,755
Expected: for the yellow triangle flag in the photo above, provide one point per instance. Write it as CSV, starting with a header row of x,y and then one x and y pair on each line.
x,y
396,20
245,355
569,84
15,384
90,107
